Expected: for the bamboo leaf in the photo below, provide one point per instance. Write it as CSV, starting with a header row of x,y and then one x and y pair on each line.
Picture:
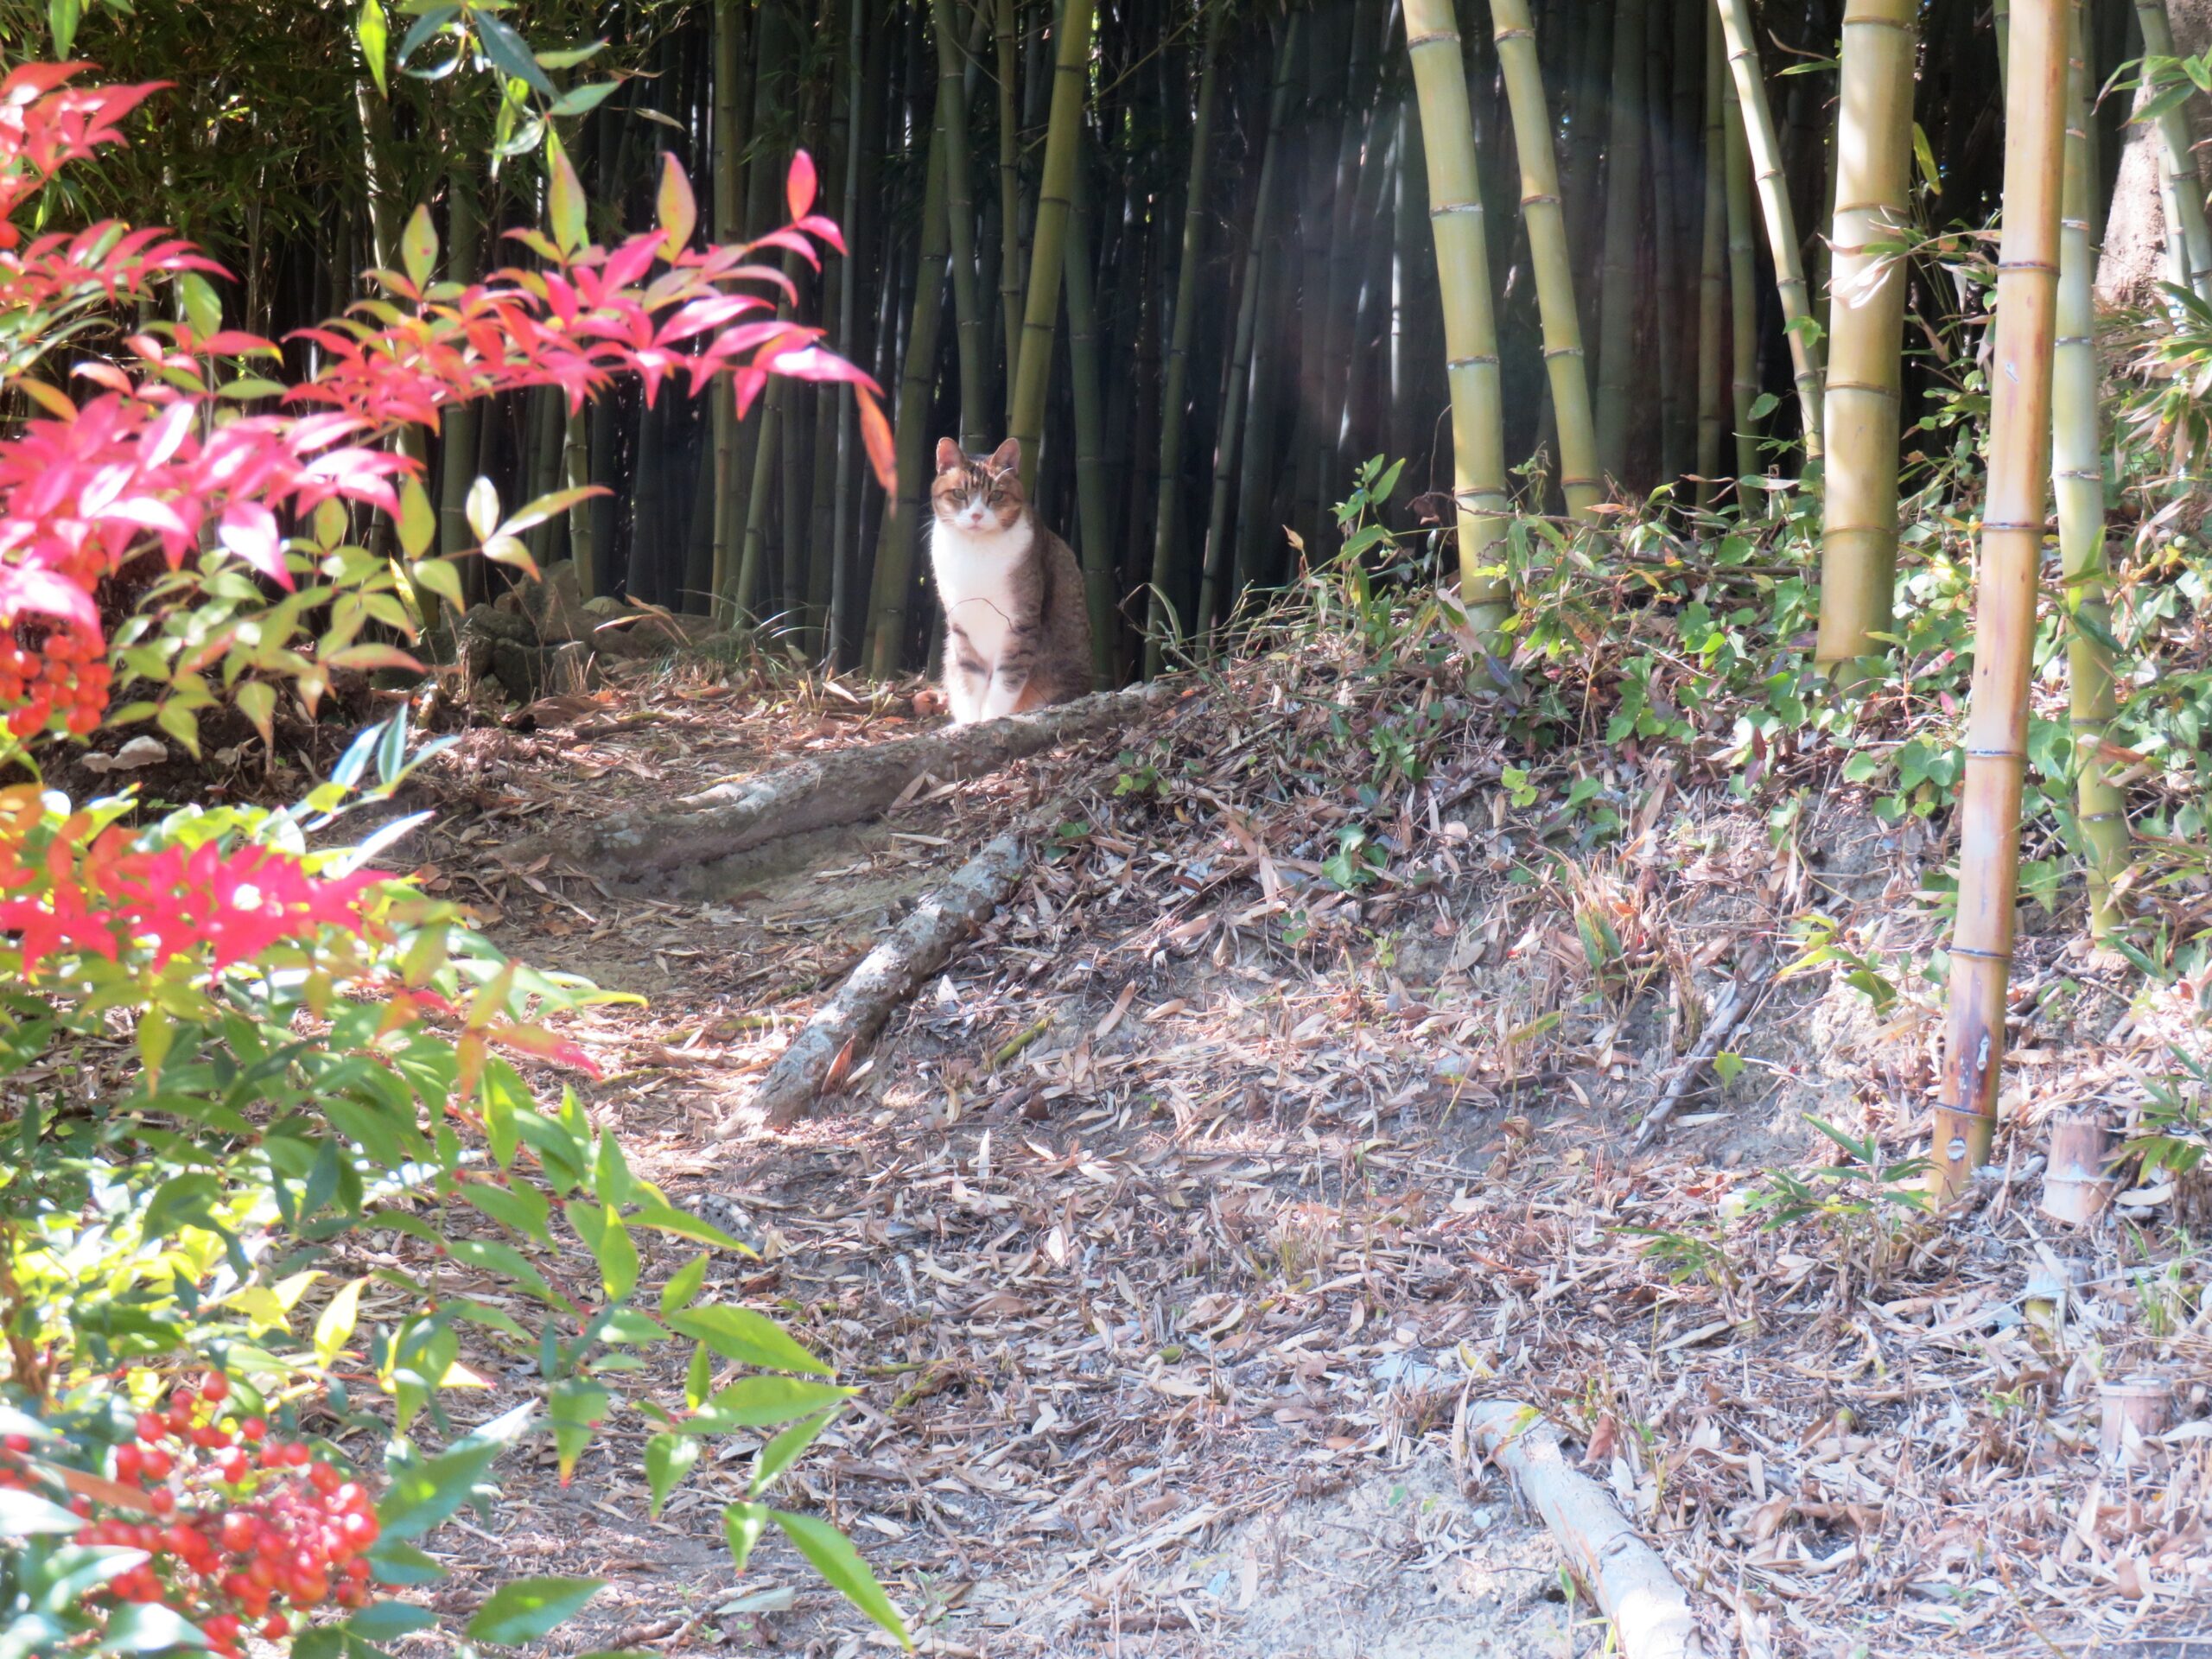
x,y
62,17
509,53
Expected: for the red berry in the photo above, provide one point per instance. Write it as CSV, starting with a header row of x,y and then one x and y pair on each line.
x,y
18,1444
127,1462
155,1464
325,1479
254,1428
150,1427
216,1388
161,1499
297,1454
278,1627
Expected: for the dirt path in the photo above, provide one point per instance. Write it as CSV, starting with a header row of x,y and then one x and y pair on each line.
x,y
1169,1230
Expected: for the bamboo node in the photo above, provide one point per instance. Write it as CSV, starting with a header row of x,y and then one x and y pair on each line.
x,y
1456,207
1980,955
1562,351
1515,34
2003,524
1476,362
2036,265
1438,38
1871,390
1994,754
2100,818
1537,200
2080,471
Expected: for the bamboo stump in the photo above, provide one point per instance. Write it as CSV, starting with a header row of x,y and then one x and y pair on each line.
x,y
1650,1611
2077,1185
2129,1410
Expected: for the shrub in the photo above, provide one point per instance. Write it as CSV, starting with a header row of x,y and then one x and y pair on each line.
x,y
229,1040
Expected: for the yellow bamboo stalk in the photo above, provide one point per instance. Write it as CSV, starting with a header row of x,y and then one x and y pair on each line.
x,y
1056,192
1620,373
1743,273
1547,252
2004,602
1805,354
2078,482
1866,295
1455,213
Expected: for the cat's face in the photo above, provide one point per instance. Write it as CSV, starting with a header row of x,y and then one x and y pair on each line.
x,y
978,495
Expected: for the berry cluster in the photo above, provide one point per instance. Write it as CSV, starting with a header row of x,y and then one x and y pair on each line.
x,y
64,675
248,1530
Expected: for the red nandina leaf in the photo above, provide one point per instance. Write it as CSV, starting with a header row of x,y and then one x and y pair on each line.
x,y
800,185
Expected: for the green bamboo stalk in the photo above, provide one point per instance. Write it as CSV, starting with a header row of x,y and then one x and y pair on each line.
x,y
1010,260
575,470
1174,378
960,205
1743,351
2005,601
730,26
1455,211
1041,313
903,512
1773,185
1097,551
1713,270
1554,264
2078,482
2186,184
1666,254
1216,556
1617,361
464,250
1858,536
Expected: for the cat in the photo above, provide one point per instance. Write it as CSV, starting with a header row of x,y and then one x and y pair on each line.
x,y
1017,632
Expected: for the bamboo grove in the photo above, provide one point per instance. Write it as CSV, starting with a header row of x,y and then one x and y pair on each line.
x,y
1203,257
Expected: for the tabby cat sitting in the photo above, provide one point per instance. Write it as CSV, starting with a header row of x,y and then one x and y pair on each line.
x,y
1017,634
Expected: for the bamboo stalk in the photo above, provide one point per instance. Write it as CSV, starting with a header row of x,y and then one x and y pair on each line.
x,y
1743,300
1713,269
1010,262
1773,185
729,28
902,512
1216,558
1455,211
458,425
2078,482
1859,527
1549,256
960,206
2004,605
1096,550
1041,310
2183,179
844,481
1618,360
1175,377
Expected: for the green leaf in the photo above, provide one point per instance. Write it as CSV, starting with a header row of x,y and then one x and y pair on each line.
x,y
522,1609
678,207
668,1458
835,1559
523,1208
662,1219
335,1328
742,1524
256,700
545,507
508,53
1727,1066
23,1514
575,1408
610,1245
394,1560
422,1494
783,1451
148,1627
1925,154
62,17
698,1378
418,520
564,197
203,305
683,1284
381,1621
751,1338
374,35
441,579
182,1200
482,509
580,100
505,1259
760,1401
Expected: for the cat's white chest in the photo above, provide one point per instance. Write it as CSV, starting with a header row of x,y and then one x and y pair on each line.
x,y
974,581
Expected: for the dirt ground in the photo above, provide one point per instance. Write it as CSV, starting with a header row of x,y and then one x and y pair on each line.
x,y
1171,1228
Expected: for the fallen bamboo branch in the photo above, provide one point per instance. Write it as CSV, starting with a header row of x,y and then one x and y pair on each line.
x,y
1650,1611
831,1043
828,791
1736,1000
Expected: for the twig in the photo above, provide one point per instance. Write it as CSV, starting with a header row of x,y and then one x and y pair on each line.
x,y
1740,996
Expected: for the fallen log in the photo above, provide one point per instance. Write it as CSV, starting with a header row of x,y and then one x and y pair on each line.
x,y
1737,998
828,1046
1650,1611
830,790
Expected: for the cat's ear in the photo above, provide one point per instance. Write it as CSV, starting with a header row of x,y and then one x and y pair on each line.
x,y
949,458
1006,458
